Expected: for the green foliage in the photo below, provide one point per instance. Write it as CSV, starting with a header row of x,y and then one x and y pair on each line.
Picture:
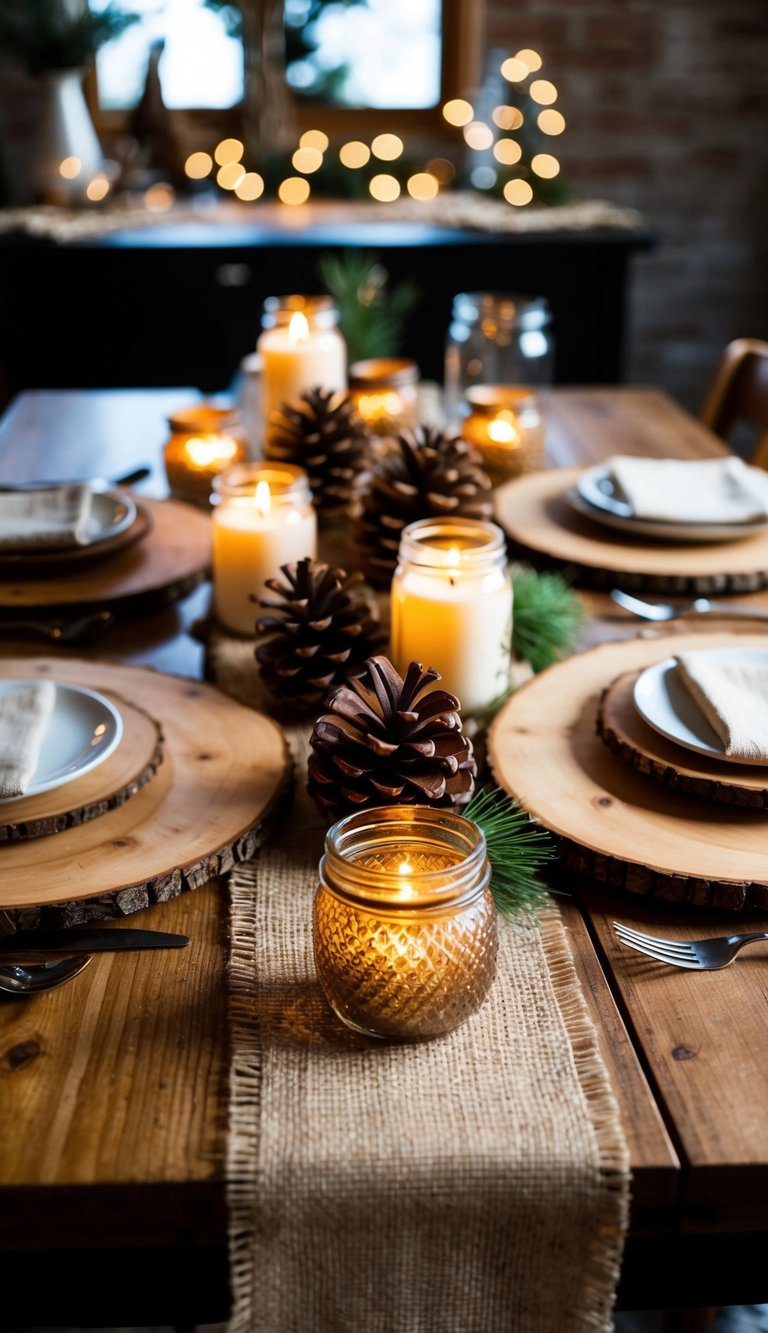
x,y
372,316
547,617
516,850
42,36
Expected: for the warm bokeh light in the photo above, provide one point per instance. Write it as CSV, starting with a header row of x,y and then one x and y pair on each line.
x,y
442,170
384,188
314,139
550,122
507,117
514,70
228,150
458,112
507,151
477,135
293,190
198,166
97,189
544,164
70,168
159,198
387,147
518,193
354,154
251,187
422,186
531,60
230,175
543,92
307,160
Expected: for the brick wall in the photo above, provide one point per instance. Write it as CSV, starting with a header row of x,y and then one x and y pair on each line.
x,y
666,103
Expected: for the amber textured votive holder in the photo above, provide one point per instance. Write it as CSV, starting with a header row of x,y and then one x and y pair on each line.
x,y
506,424
405,932
204,442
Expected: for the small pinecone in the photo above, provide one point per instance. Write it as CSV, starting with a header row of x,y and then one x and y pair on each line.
x,y
325,436
389,741
425,474
321,632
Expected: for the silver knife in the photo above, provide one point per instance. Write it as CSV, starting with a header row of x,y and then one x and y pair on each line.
x,y
85,939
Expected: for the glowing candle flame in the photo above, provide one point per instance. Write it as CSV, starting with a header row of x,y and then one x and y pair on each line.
x,y
453,557
262,499
298,329
406,890
203,451
502,431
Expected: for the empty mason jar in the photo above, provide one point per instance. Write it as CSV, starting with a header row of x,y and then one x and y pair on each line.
x,y
496,338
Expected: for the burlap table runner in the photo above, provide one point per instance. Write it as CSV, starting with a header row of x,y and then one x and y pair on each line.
x,y
473,1184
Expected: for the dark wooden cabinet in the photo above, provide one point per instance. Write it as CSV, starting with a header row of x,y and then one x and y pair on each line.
x,y
181,303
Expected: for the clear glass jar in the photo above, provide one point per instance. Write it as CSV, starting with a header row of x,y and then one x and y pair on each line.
x,y
506,425
301,348
451,607
496,338
263,518
204,441
405,932
385,391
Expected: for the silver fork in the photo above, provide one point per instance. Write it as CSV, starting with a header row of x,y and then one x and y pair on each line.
x,y
698,955
701,606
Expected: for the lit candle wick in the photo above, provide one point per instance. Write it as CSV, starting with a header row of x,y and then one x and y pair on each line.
x,y
262,500
298,328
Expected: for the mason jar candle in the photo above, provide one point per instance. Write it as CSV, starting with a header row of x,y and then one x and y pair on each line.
x,y
301,348
405,934
505,423
204,441
263,518
451,607
385,391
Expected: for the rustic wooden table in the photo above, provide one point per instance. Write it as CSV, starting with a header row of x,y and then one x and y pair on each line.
x,y
113,1090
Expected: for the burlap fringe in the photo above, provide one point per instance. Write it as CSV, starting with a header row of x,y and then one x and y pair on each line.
x,y
605,1252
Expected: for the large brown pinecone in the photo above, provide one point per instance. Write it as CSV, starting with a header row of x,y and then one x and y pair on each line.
x,y
389,741
325,436
322,631
425,473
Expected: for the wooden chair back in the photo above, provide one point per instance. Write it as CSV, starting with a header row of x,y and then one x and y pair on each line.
x,y
739,393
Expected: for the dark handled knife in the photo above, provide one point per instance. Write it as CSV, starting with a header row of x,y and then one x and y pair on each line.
x,y
33,943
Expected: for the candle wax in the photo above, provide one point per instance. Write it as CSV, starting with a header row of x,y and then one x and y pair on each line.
x,y
292,364
249,546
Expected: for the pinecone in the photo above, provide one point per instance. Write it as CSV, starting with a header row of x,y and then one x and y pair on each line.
x,y
325,436
425,474
322,631
389,741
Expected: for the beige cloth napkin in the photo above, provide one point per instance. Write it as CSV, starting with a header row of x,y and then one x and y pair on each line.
x,y
53,516
709,490
24,715
733,697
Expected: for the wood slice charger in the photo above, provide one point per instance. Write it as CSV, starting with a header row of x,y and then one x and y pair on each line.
x,y
612,823
224,771
539,521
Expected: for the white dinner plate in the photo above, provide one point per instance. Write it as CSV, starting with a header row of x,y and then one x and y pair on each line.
x,y
112,513
83,730
666,705
596,498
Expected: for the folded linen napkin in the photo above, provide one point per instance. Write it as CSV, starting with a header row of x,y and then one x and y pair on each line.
x,y
733,697
24,715
707,490
51,516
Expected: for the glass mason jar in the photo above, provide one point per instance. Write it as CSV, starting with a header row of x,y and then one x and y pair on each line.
x,y
405,932
451,607
496,338
506,425
385,391
263,518
301,348
204,440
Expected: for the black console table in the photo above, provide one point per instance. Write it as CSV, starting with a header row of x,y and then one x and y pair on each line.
x,y
180,303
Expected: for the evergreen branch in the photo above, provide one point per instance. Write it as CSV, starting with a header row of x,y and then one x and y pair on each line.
x,y
547,617
516,849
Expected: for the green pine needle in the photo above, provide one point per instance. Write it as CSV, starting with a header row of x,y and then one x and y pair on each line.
x,y
547,617
372,317
515,850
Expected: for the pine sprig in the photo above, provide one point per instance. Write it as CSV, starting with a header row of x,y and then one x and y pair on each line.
x,y
516,849
547,617
371,315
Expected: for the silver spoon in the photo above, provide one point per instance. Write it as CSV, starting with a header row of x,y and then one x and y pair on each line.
x,y
702,606
29,978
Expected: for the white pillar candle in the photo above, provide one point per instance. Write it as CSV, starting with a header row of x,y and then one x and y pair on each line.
x,y
264,519
451,607
302,350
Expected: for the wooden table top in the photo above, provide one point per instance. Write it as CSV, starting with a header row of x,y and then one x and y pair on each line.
x,y
113,1090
